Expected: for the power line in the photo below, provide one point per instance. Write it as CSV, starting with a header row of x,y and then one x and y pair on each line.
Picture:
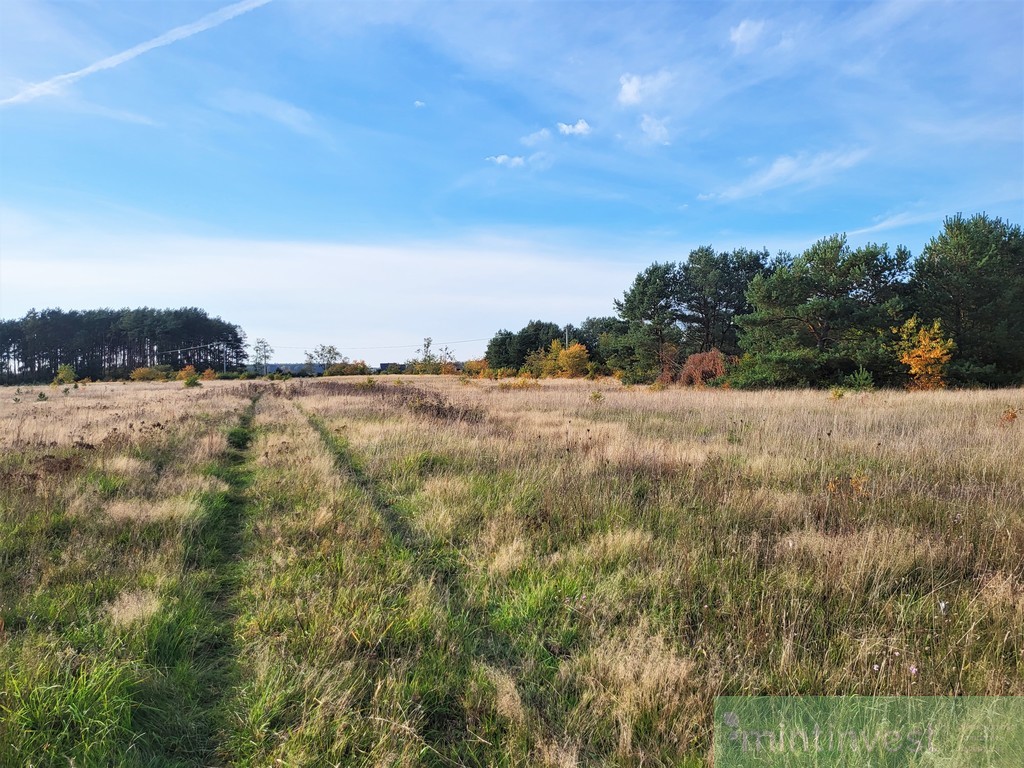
x,y
345,347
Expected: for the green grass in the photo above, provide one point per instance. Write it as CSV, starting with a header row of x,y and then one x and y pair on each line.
x,y
81,686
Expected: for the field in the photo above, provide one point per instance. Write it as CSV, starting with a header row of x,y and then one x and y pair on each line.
x,y
428,571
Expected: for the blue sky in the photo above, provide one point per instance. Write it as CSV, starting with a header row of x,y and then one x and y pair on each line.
x,y
367,174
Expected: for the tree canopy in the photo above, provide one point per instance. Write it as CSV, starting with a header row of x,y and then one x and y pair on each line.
x,y
971,278
832,314
109,343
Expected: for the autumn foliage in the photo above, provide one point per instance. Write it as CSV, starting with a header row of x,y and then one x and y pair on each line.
x,y
925,352
558,360
702,367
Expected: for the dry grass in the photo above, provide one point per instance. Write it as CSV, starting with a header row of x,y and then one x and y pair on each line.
x,y
133,606
431,572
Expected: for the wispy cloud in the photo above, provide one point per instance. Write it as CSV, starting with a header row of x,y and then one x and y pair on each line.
x,y
537,137
419,104
579,128
897,220
744,36
278,111
656,130
55,84
791,169
635,89
509,161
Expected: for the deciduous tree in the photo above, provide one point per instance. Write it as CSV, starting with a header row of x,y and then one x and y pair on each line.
x,y
925,352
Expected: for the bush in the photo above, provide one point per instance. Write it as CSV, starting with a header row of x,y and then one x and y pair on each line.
x,y
926,352
477,368
860,380
147,374
65,375
702,368
209,374
355,368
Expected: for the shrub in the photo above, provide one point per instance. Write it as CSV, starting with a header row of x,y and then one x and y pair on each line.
x,y
65,375
702,368
209,375
860,380
354,368
925,352
476,368
147,374
187,372
573,361
557,360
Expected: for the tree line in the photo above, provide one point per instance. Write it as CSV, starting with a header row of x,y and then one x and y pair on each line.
x,y
831,315
111,343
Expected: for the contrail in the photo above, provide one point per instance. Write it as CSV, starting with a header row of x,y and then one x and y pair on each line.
x,y
211,20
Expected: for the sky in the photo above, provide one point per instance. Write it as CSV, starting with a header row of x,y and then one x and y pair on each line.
x,y
370,174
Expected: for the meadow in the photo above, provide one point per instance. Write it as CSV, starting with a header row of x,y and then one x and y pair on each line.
x,y
405,571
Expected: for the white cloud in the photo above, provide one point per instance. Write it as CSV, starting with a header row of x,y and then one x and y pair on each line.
x,y
55,84
537,137
635,89
265,287
656,130
791,169
509,161
419,104
745,35
579,128
896,220
276,110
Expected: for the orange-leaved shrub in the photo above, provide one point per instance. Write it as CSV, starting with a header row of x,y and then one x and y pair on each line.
x,y
702,367
476,368
925,352
147,374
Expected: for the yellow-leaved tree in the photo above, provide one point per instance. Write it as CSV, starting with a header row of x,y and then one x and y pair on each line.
x,y
572,361
925,352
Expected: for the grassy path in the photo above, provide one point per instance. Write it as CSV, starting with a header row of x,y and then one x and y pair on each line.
x,y
121,558
443,670
181,715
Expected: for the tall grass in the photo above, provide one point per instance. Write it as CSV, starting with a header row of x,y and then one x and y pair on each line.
x,y
459,573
